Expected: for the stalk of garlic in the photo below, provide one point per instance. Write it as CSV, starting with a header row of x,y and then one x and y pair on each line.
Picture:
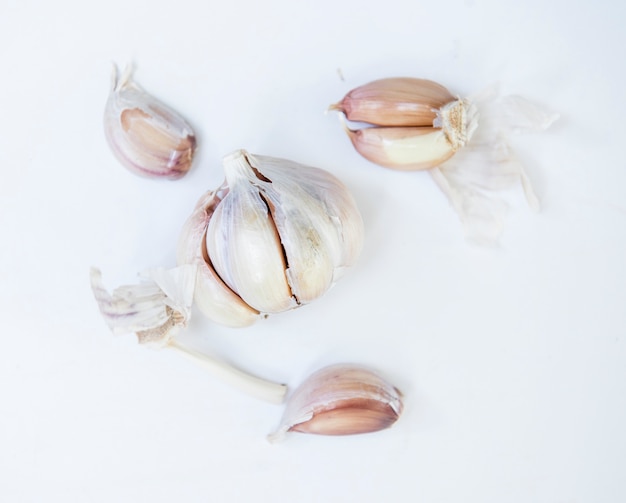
x,y
417,124
158,309
343,399
148,137
276,235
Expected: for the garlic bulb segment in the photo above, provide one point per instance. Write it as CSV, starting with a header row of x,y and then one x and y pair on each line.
x,y
416,124
402,148
400,101
280,235
212,296
245,247
157,309
146,136
341,399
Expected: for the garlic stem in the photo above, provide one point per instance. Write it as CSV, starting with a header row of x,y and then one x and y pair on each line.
x,y
252,385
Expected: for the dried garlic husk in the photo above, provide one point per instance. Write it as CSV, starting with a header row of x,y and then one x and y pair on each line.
x,y
157,309
417,124
146,136
276,235
342,399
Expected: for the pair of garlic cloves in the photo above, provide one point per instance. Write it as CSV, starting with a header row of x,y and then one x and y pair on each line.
x,y
417,124
146,136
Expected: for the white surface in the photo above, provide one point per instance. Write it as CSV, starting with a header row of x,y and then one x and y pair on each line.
x,y
513,361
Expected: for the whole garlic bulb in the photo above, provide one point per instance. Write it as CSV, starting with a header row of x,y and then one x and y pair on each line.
x,y
276,235
146,136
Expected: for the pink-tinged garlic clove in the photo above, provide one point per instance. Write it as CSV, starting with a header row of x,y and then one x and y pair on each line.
x,y
397,101
146,136
343,399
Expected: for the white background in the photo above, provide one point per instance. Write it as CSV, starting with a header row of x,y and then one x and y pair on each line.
x,y
512,360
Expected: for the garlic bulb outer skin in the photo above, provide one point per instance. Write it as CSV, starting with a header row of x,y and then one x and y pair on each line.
x,y
147,137
156,309
342,399
279,235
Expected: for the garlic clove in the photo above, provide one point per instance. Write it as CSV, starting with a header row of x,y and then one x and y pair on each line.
x,y
341,399
278,237
212,296
148,137
402,148
397,101
243,242
320,227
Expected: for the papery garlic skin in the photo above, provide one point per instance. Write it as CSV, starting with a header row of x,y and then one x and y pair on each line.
x,y
146,136
158,309
342,399
474,178
279,237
